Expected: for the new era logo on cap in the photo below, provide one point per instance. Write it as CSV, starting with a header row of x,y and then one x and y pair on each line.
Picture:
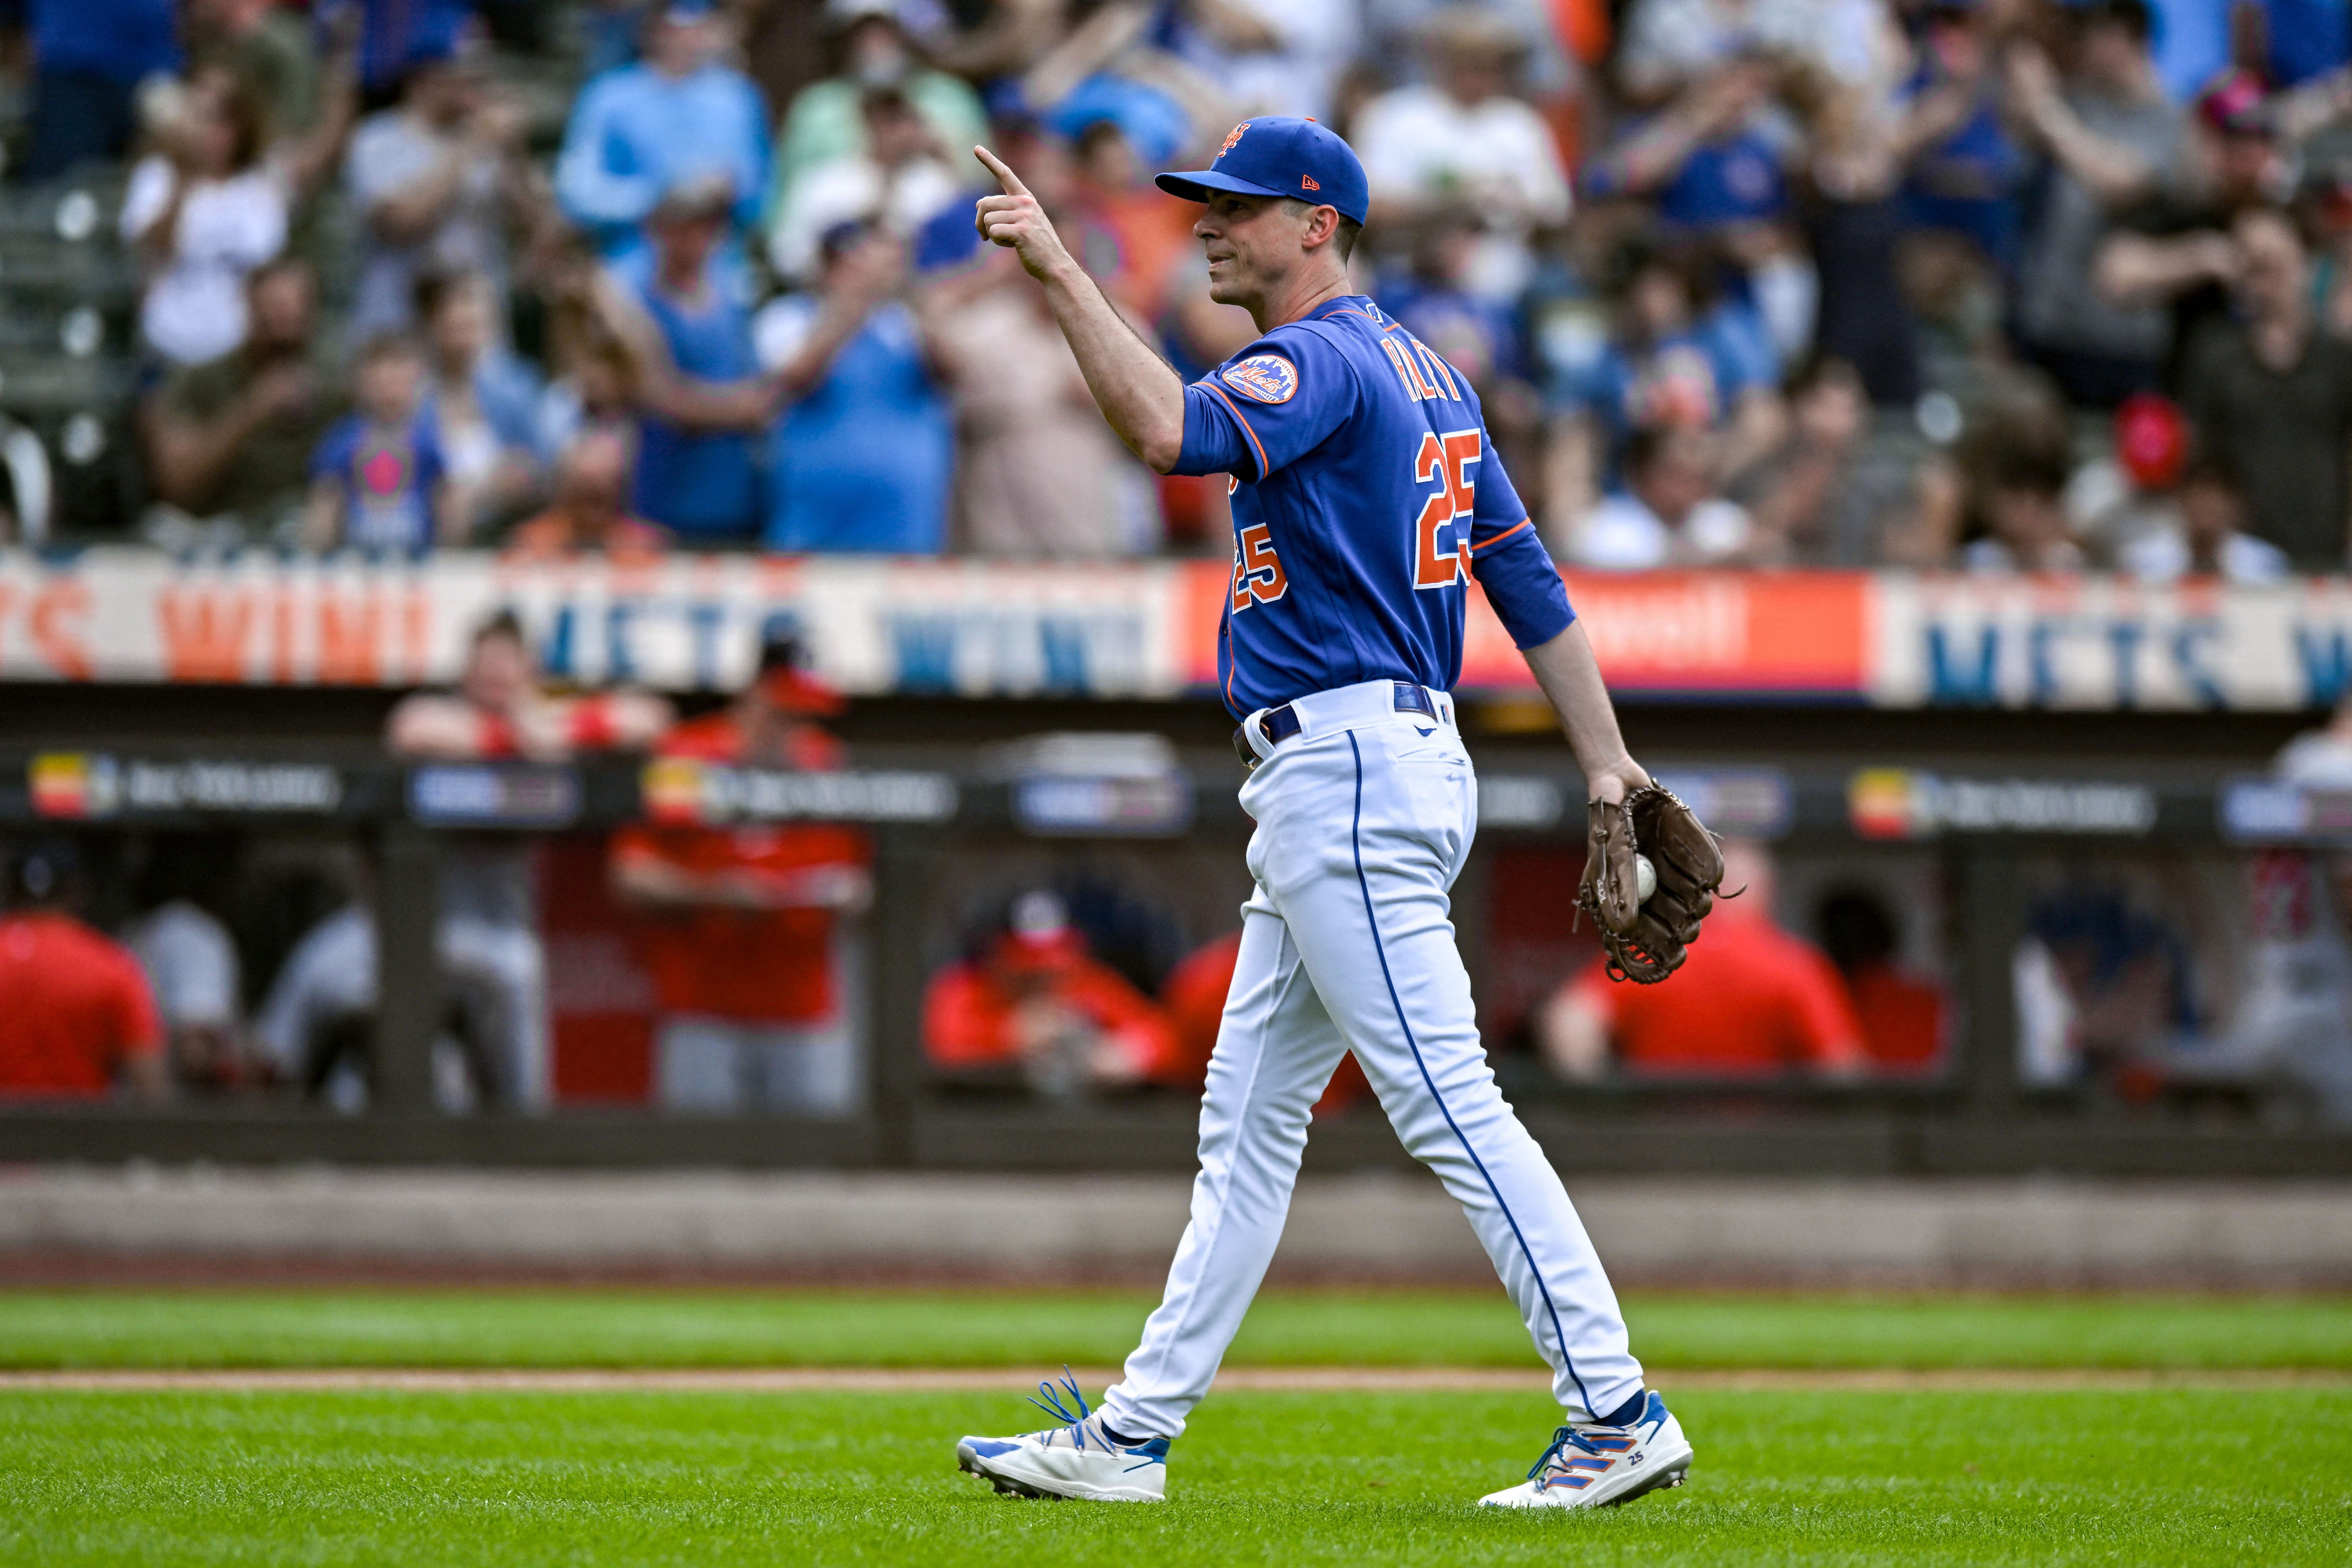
x,y
1278,155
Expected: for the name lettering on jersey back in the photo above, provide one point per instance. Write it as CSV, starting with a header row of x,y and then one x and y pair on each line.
x,y
1443,528
1426,376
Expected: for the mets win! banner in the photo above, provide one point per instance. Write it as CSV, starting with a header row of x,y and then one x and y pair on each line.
x,y
1149,630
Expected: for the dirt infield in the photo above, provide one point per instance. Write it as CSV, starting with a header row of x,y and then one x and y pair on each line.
x,y
1282,1380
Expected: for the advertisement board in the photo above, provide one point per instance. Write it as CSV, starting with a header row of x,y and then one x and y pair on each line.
x,y
982,628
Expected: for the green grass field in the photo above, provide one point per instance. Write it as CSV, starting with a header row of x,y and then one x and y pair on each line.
x,y
1293,1328
160,1479
658,1479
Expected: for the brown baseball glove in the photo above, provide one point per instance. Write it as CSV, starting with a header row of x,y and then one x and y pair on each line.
x,y
1647,941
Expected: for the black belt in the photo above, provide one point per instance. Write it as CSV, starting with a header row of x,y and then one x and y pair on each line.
x,y
1278,724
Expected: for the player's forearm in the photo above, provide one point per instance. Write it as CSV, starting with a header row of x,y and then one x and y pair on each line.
x,y
1134,387
1571,678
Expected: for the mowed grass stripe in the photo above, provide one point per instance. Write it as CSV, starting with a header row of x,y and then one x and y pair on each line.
x,y
1274,1379
931,1329
508,1481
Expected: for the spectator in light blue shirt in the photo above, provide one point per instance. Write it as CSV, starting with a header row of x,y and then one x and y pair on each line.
x,y
862,458
688,327
639,131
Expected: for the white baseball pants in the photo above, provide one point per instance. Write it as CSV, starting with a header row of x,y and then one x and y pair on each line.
x,y
1364,820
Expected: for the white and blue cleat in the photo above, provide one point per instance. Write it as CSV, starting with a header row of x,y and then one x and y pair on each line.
x,y
1079,1459
1592,1465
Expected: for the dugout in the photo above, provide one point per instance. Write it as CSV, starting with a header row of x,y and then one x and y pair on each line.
x,y
1968,821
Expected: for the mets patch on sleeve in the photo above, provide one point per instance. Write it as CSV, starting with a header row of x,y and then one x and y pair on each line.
x,y
1264,378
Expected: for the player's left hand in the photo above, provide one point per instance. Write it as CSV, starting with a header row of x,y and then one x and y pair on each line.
x,y
1017,220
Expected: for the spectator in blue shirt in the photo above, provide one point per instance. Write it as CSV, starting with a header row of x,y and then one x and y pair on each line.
x,y
1962,168
396,35
89,57
862,458
1680,358
482,402
700,393
377,480
676,114
1713,167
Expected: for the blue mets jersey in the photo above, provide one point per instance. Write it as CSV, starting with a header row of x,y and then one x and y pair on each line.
x,y
1365,497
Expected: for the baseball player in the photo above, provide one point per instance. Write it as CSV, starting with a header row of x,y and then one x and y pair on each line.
x,y
1365,496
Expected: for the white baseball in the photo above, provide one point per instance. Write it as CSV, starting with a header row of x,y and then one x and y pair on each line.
x,y
1645,879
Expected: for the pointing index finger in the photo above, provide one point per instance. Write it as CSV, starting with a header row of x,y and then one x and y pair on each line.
x,y
1004,177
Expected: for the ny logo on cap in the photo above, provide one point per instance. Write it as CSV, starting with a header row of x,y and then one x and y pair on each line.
x,y
1230,137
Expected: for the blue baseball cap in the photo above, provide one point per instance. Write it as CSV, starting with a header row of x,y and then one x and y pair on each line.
x,y
1277,155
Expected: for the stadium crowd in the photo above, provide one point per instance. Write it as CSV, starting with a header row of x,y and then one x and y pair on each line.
x,y
1979,284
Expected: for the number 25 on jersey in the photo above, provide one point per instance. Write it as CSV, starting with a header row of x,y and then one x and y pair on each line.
x,y
1257,570
1442,530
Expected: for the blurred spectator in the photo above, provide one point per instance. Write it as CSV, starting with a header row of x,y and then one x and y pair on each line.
x,y
1678,357
2294,1026
742,928
863,455
482,403
396,35
436,178
1751,1001
78,1014
1900,1017
235,436
2270,397
2205,537
829,122
1713,163
2023,513
1035,1000
678,114
2103,987
2173,248
1148,233
489,931
269,50
1962,166
1273,57
1668,514
2112,140
378,480
88,59
315,1022
689,334
1466,139
189,958
1193,997
498,709
898,181
590,514
593,392
1830,492
1040,474
203,213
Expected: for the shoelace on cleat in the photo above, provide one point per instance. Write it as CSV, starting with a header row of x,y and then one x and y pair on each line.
x,y
1052,1406
1566,1438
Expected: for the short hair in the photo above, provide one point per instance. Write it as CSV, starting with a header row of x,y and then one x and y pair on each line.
x,y
1348,227
434,289
388,345
2213,471
2131,16
2039,468
502,623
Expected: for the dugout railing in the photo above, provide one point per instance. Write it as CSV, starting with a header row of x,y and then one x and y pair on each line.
x,y
1984,829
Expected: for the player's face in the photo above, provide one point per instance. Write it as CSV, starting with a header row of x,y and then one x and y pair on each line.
x,y
1253,243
